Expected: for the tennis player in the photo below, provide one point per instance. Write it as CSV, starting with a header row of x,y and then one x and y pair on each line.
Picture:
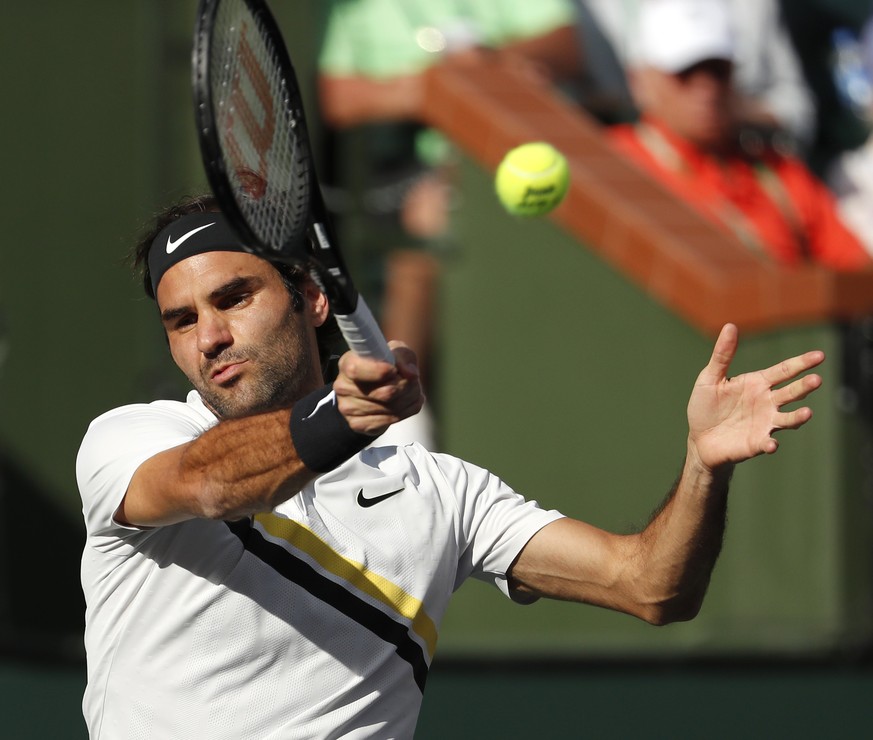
x,y
255,568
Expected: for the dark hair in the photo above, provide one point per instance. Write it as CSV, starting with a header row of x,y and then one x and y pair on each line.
x,y
293,276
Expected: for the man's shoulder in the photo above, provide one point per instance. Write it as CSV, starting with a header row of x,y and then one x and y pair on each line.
x,y
190,415
192,407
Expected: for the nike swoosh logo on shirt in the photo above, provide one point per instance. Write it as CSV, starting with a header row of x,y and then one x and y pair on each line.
x,y
367,502
173,245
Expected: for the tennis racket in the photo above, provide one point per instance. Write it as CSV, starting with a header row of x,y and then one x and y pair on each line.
x,y
258,159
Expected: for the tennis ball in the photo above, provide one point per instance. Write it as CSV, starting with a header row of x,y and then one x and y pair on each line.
x,y
532,179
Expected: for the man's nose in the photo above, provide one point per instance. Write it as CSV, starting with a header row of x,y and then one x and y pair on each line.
x,y
213,333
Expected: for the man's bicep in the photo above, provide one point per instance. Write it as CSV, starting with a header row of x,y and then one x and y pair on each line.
x,y
575,561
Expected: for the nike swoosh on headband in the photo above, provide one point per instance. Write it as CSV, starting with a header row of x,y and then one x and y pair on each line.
x,y
173,245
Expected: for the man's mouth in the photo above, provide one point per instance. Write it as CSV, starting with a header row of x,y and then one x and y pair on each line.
x,y
226,372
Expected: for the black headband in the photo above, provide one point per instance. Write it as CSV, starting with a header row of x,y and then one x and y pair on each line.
x,y
193,234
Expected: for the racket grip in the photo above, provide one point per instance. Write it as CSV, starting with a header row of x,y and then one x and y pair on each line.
x,y
363,334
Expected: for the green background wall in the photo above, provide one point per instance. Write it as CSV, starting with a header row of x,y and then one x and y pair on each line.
x,y
562,377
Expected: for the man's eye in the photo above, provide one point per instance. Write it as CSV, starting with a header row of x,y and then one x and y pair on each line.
x,y
185,322
235,300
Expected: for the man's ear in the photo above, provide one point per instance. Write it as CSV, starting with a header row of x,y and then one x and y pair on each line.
x,y
317,302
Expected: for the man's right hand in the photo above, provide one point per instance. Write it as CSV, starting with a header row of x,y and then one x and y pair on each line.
x,y
372,394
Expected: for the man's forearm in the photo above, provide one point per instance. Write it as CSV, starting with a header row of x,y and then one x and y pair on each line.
x,y
245,465
684,538
237,468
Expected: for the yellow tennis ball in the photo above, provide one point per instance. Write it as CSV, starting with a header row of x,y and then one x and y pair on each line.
x,y
532,179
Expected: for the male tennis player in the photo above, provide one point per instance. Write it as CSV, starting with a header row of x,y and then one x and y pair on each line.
x,y
253,570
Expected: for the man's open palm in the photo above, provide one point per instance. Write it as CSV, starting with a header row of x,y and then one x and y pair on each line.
x,y
733,419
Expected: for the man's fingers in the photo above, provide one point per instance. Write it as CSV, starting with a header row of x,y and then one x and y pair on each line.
x,y
372,394
394,400
770,446
793,419
722,354
796,391
367,371
373,418
792,367
407,361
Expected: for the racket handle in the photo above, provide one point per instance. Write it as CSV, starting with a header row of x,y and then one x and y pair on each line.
x,y
363,334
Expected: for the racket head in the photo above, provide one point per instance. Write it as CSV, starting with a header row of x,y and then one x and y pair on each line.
x,y
256,152
252,128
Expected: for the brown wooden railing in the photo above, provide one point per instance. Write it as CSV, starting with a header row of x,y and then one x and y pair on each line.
x,y
703,274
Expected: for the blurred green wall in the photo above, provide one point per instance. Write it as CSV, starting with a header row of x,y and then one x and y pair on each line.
x,y
98,136
96,140
561,376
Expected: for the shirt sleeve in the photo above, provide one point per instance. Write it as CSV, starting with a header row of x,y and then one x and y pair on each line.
x,y
372,38
114,446
496,522
336,56
528,20
379,38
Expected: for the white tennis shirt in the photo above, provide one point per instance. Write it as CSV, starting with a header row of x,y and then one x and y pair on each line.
x,y
316,620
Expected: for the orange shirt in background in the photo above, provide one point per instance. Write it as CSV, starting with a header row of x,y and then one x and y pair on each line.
x,y
774,204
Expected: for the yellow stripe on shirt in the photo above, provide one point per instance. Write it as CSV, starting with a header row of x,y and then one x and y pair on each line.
x,y
356,574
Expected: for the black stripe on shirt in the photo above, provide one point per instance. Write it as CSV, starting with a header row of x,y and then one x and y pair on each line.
x,y
304,575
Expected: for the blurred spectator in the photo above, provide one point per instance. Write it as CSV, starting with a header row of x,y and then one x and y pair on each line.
x,y
772,97
371,66
850,177
687,138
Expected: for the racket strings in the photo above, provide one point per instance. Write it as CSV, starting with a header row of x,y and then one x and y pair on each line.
x,y
260,121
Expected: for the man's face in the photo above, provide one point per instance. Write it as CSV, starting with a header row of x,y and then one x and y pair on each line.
x,y
233,330
696,103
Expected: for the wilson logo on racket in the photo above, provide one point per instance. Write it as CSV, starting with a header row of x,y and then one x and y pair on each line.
x,y
173,245
255,147
252,79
